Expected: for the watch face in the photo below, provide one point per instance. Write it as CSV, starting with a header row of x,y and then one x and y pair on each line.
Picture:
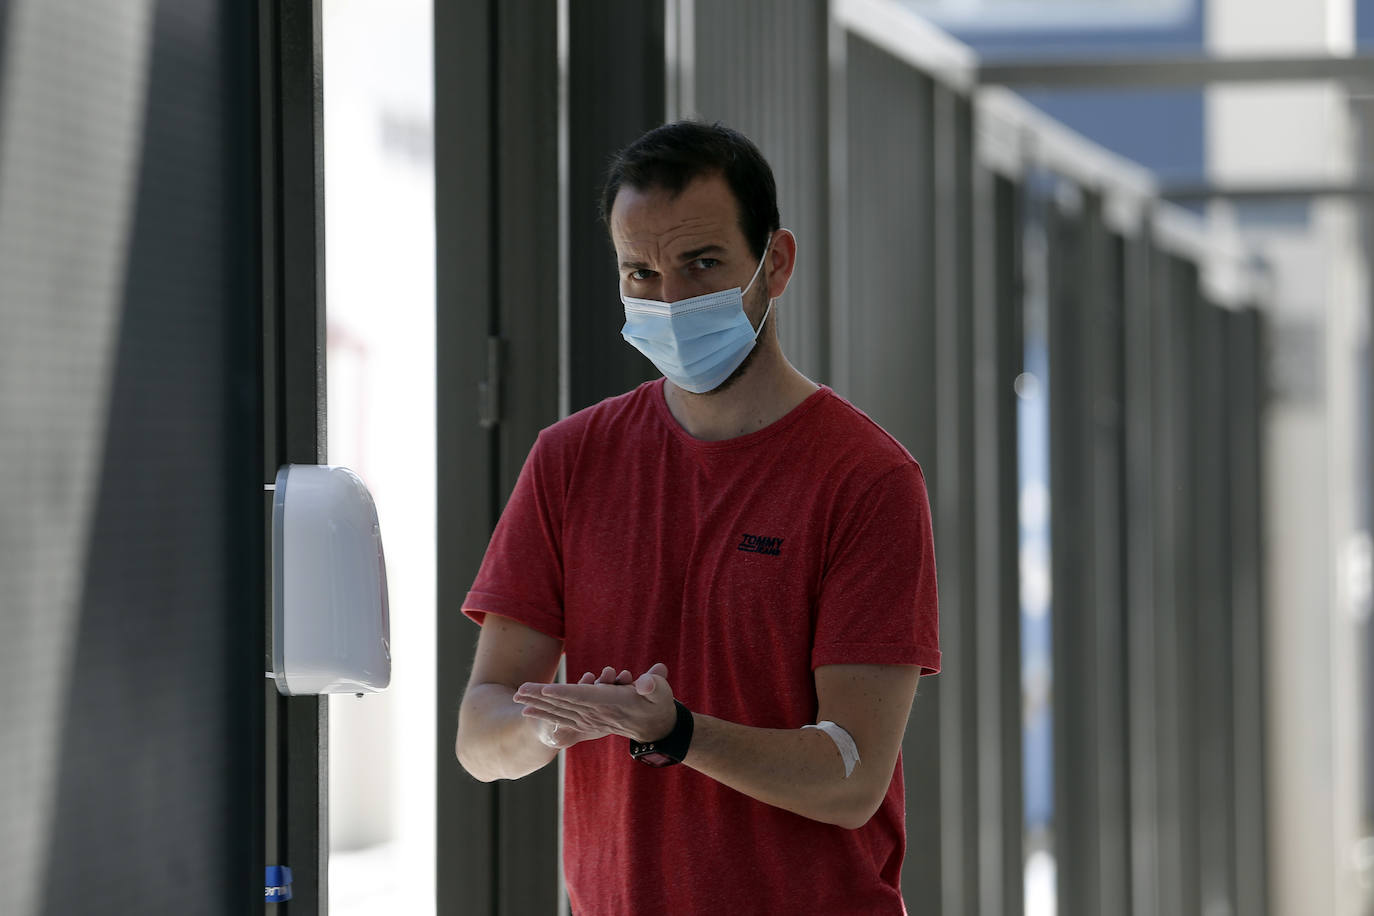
x,y
656,760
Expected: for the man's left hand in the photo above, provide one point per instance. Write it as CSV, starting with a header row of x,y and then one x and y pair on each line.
x,y
642,711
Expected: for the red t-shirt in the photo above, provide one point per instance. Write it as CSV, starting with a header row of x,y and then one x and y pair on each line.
x,y
742,565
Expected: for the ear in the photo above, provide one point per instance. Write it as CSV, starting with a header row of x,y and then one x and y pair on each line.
x,y
782,259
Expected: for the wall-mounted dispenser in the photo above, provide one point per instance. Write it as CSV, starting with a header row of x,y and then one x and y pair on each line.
x,y
331,626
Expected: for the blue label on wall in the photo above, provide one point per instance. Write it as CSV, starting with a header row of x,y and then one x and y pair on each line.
x,y
278,884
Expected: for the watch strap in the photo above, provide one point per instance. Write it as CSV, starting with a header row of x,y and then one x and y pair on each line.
x,y
672,747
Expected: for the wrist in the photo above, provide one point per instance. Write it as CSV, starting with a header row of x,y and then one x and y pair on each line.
x,y
670,748
662,729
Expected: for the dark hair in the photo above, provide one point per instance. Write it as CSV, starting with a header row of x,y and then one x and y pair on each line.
x,y
671,156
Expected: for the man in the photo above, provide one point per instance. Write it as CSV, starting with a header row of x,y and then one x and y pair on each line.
x,y
739,560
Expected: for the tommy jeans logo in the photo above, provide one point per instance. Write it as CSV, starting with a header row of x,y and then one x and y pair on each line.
x,y
757,543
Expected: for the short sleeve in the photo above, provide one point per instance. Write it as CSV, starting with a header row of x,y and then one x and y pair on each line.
x,y
878,602
521,576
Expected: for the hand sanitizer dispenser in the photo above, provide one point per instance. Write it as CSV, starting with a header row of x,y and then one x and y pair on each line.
x,y
330,621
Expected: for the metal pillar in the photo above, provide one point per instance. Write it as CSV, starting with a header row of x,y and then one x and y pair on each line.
x,y
757,67
1249,683
526,259
1072,571
498,364
1140,538
995,561
466,491
1105,444
1211,611
953,494
887,333
1176,796
615,92
1087,508
291,75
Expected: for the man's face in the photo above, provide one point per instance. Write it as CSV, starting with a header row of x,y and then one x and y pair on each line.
x,y
676,247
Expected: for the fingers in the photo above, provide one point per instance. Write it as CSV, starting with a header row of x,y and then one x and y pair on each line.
x,y
537,705
654,679
644,685
608,676
552,720
579,713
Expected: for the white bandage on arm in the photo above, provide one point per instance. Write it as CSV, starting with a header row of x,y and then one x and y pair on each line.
x,y
849,752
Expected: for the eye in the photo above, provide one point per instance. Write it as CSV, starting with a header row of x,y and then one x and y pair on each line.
x,y
704,263
642,273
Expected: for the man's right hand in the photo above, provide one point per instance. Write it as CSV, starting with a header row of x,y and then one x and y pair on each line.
x,y
496,738
564,734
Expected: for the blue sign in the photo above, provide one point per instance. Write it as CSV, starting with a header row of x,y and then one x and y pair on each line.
x,y
278,884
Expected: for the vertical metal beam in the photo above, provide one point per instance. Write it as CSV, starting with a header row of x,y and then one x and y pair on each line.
x,y
755,68
885,319
1076,766
1244,403
527,226
1211,460
292,73
1105,443
1185,305
953,493
467,498
615,93
1140,539
268,183
1167,696
838,361
679,59
250,345
526,294
498,222
999,346
883,339
1175,288
1086,458
889,315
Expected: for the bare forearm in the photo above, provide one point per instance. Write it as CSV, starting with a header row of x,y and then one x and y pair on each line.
x,y
494,740
799,770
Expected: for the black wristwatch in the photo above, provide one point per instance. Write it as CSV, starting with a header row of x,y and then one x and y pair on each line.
x,y
669,749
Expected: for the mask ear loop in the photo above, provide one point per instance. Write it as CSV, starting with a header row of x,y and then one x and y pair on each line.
x,y
758,269
767,246
759,329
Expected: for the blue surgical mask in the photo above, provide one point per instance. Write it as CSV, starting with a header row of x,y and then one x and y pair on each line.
x,y
696,343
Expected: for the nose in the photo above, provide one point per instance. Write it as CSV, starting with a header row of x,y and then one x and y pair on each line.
x,y
673,287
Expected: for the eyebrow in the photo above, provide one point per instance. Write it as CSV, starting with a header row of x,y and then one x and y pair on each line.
x,y
684,257
698,252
